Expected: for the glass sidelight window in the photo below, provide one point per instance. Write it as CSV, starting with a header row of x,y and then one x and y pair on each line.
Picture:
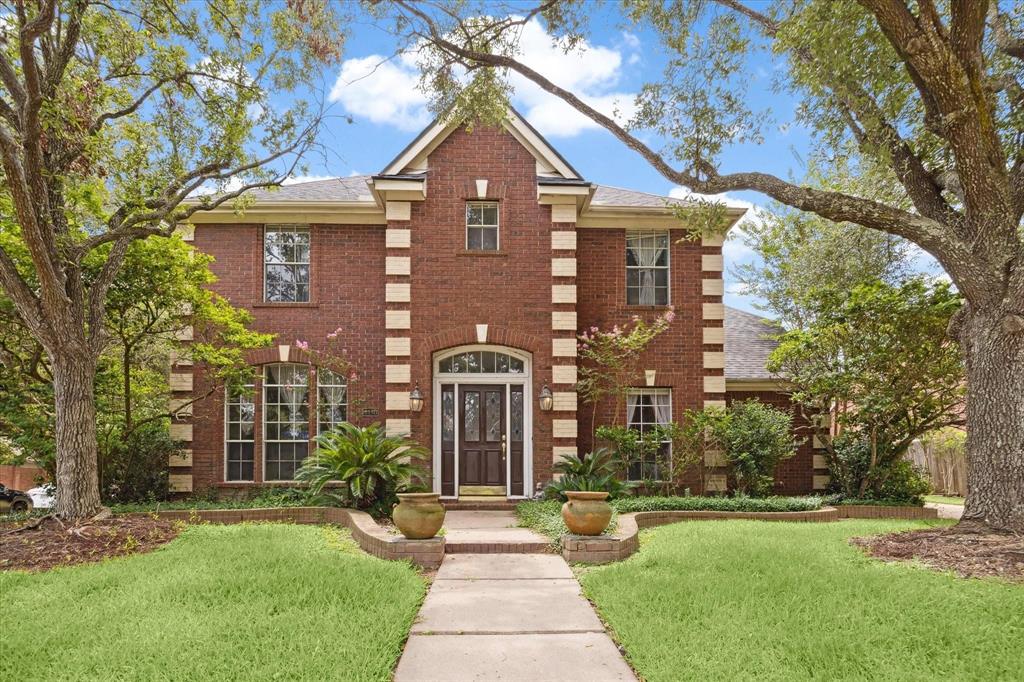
x,y
647,268
482,226
285,420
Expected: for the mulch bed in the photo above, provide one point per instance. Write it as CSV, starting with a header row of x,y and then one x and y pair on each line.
x,y
53,543
970,555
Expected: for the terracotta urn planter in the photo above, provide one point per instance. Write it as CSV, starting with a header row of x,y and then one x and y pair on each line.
x,y
586,513
418,515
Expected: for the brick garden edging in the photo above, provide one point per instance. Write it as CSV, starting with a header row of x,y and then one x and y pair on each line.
x,y
370,536
624,541
870,511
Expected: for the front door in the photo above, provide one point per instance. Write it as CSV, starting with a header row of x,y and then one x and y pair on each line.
x,y
482,439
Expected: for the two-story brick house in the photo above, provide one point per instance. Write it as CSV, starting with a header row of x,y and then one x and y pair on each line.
x,y
461,273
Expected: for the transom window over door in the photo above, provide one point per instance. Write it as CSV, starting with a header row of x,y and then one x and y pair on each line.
x,y
481,362
482,226
285,420
647,268
645,409
286,264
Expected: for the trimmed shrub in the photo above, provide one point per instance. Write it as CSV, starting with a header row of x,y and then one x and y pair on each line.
x,y
725,504
756,438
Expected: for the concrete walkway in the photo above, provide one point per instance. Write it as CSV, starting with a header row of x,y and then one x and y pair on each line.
x,y
508,617
489,531
947,511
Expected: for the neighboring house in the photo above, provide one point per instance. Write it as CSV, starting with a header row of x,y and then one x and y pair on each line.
x,y
463,271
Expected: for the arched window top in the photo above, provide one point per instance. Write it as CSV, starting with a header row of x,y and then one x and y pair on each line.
x,y
481,362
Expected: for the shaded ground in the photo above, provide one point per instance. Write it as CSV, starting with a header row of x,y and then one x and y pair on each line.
x,y
737,600
970,555
53,543
233,603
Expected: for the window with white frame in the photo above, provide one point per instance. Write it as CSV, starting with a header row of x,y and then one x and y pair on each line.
x,y
482,226
331,399
285,420
240,434
286,264
645,409
647,268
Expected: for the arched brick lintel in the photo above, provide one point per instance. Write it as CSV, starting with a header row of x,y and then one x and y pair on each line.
x,y
266,356
465,335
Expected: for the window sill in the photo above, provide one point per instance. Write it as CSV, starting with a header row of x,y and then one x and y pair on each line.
x,y
481,252
283,304
628,306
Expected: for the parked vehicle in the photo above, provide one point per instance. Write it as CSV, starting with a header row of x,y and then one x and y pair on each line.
x,y
14,501
42,496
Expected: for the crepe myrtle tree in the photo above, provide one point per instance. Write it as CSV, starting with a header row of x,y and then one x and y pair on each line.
x,y
919,96
112,114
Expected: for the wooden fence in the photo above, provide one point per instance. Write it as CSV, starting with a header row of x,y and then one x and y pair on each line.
x,y
945,463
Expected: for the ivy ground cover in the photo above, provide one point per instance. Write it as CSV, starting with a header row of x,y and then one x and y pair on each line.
x,y
239,602
726,600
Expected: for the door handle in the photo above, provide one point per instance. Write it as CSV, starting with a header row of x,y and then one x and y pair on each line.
x,y
504,446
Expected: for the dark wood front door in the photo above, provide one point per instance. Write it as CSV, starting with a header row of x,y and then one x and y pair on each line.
x,y
482,435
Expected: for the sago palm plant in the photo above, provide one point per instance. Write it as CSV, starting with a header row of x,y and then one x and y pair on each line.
x,y
372,466
596,471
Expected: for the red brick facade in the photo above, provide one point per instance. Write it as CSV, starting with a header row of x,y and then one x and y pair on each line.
x,y
453,294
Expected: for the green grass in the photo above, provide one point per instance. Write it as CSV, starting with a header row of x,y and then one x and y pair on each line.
x,y
738,599
241,602
545,516
944,499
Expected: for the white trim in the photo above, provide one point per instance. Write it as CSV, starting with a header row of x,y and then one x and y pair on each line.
x,y
523,379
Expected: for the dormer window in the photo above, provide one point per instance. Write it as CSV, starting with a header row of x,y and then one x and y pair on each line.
x,y
482,226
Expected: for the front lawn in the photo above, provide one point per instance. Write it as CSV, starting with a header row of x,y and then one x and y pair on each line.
x,y
785,601
944,499
240,602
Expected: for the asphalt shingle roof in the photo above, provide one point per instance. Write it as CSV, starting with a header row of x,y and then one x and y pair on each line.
x,y
748,344
354,188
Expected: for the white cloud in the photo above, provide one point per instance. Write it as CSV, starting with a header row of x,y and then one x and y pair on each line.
x,y
386,91
631,40
734,251
382,90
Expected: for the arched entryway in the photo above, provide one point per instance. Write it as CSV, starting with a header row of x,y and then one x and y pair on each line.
x,y
483,421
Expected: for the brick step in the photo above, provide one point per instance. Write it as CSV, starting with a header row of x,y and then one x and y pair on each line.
x,y
497,548
496,505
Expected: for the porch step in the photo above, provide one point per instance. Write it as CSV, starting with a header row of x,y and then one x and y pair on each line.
x,y
502,547
489,532
480,503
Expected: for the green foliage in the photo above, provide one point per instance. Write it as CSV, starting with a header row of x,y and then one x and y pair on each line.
x,y
755,438
631,447
371,466
808,264
596,471
255,498
706,597
739,503
882,362
545,517
135,468
353,611
609,360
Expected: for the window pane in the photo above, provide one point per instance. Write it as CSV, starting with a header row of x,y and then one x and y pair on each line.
x,y
647,268
490,239
448,415
471,415
516,408
286,264
645,409
286,419
493,416
240,414
490,214
332,399
475,238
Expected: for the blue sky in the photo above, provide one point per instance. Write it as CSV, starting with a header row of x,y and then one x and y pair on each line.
x,y
379,94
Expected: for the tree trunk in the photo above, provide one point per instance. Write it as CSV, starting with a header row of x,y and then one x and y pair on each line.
x,y
993,346
78,491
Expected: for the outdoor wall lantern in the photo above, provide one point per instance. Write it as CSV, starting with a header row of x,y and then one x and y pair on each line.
x,y
416,399
547,401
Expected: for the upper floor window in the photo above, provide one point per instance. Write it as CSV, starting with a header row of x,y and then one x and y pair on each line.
x,y
647,268
645,409
482,225
286,264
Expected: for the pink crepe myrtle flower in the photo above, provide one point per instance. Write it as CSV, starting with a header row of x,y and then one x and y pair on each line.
x,y
301,345
670,316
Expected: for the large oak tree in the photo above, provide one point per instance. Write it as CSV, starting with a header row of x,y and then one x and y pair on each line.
x,y
925,96
112,113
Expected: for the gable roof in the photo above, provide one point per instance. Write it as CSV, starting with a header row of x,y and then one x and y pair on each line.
x,y
606,195
748,343
412,159
352,188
